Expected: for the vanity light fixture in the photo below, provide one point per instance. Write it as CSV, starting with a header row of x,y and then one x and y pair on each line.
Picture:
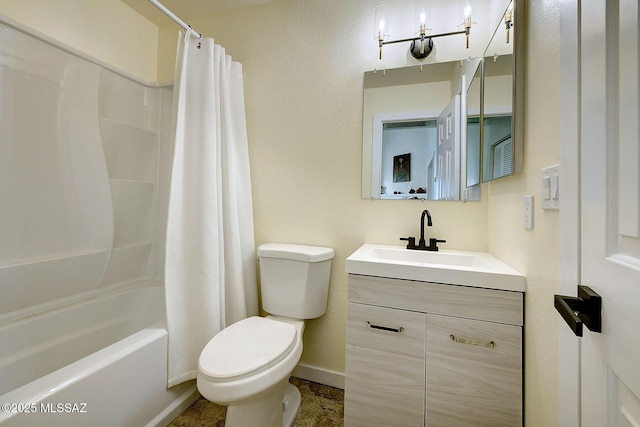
x,y
422,45
508,20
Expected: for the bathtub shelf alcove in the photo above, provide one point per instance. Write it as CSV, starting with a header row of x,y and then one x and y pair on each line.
x,y
129,127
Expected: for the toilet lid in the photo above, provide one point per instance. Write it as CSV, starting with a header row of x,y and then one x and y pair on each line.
x,y
252,344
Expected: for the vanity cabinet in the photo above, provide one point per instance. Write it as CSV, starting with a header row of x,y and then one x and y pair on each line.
x,y
422,353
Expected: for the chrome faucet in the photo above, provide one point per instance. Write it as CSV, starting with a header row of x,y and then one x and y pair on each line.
x,y
422,246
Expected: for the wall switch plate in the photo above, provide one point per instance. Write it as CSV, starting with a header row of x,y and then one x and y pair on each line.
x,y
528,212
551,187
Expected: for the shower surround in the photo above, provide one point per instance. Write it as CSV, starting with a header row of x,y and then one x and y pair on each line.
x,y
84,171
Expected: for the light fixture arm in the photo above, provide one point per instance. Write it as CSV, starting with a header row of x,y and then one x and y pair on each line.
x,y
426,42
424,48
508,22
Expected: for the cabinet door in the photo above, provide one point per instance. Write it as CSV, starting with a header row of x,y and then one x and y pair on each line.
x,y
385,367
474,373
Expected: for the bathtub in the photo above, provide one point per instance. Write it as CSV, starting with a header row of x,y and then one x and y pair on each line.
x,y
98,362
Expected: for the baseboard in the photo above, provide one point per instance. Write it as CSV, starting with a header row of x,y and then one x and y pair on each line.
x,y
182,402
319,375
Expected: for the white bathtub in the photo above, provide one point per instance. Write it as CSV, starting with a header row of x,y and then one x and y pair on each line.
x,y
100,362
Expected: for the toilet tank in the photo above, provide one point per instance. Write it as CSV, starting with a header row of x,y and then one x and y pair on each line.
x,y
294,279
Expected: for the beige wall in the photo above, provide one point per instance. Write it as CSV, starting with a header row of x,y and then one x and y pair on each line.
x,y
108,30
303,67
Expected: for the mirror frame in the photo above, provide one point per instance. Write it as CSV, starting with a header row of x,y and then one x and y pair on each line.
x,y
473,192
517,97
518,84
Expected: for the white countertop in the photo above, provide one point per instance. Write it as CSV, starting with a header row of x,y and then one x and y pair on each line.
x,y
477,269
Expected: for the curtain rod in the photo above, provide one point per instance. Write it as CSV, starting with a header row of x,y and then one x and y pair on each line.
x,y
171,15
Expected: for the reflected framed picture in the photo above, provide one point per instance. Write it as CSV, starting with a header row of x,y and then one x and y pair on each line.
x,y
402,168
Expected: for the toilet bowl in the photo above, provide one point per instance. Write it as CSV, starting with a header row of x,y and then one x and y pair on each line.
x,y
247,365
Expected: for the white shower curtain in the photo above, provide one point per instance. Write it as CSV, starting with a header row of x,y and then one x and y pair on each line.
x,y
210,257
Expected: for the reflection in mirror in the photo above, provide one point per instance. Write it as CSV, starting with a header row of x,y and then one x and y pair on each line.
x,y
401,140
413,131
502,103
497,148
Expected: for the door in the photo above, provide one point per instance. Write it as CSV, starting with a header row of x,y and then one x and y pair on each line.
x,y
610,210
448,151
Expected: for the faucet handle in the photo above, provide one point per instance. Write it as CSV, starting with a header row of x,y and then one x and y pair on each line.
x,y
411,240
433,244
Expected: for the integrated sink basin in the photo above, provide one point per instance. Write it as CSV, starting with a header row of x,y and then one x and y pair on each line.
x,y
414,256
476,269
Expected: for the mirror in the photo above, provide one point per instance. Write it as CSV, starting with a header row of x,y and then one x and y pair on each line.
x,y
414,141
502,123
408,101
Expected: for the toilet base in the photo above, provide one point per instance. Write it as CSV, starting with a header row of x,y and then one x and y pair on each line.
x,y
278,408
290,405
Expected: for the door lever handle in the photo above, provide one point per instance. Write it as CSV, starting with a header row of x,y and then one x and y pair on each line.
x,y
585,309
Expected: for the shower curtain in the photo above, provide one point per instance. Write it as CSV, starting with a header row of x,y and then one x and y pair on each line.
x,y
210,274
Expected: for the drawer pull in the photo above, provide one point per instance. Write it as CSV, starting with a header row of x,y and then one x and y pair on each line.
x,y
488,344
385,328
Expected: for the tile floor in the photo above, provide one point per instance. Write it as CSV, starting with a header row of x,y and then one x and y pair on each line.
x,y
322,406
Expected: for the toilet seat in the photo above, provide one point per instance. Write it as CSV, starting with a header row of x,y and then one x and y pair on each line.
x,y
246,348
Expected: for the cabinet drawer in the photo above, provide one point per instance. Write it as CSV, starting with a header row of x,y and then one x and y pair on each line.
x,y
385,370
474,373
461,301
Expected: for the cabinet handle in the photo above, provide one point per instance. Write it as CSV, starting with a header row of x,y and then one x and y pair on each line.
x,y
385,328
489,344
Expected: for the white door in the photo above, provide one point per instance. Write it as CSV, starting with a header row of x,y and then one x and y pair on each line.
x,y
610,210
448,151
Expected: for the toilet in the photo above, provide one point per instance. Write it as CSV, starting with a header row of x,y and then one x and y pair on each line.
x,y
248,364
